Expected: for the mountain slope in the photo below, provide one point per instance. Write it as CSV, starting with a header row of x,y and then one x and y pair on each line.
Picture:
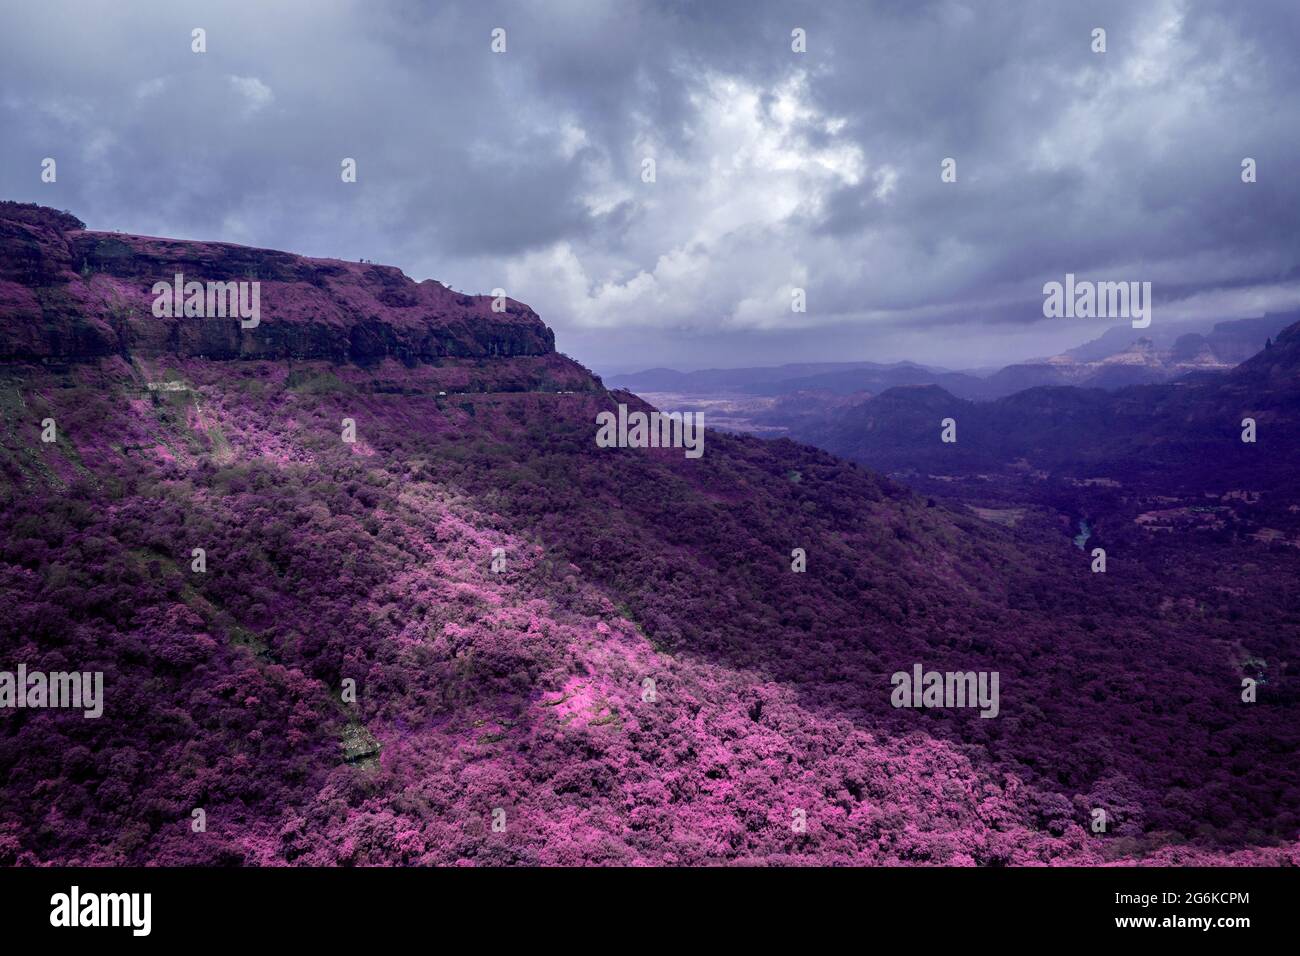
x,y
518,694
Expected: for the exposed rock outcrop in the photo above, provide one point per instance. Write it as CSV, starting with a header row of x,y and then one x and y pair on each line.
x,y
69,294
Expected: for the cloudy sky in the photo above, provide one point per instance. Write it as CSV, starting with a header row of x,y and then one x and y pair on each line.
x,y
773,169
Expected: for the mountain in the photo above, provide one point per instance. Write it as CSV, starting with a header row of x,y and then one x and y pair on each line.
x,y
725,379
71,294
364,589
1122,357
1230,342
876,379
836,378
1118,358
1186,432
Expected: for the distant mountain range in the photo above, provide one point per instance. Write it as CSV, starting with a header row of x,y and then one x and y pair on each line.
x,y
1180,431
1119,357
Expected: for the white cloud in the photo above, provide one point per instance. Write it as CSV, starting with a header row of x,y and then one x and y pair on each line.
x,y
256,94
712,241
150,88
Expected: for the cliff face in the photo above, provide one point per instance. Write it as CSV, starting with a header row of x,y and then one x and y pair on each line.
x,y
70,294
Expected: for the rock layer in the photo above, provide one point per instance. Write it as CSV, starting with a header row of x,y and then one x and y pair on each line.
x,y
71,294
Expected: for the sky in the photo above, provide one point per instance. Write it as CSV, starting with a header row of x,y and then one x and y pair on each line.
x,y
774,169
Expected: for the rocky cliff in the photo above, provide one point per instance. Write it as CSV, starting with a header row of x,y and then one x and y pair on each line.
x,y
71,294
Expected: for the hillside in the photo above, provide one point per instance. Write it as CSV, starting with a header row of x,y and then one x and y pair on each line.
x,y
369,564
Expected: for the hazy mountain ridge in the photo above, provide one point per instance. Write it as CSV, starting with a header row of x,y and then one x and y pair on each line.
x,y
1119,357
1179,429
1122,357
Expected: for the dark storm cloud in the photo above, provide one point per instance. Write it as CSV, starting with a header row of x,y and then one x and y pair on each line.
x,y
775,169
